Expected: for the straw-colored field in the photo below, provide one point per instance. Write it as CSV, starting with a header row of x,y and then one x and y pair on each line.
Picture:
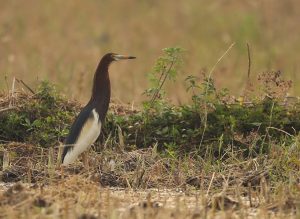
x,y
111,191
63,41
77,197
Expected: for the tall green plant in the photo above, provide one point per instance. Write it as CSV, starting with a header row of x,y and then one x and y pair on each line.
x,y
165,68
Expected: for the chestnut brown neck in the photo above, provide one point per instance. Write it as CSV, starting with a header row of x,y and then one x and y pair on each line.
x,y
101,88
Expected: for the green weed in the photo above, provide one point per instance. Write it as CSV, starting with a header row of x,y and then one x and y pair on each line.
x,y
43,118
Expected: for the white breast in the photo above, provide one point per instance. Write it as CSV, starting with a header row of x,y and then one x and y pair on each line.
x,y
88,135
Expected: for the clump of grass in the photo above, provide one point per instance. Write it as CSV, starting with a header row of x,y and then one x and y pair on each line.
x,y
42,118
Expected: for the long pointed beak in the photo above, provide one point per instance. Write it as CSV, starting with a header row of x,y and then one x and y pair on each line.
x,y
119,57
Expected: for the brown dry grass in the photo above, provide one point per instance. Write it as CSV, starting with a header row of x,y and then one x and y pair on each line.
x,y
76,197
138,184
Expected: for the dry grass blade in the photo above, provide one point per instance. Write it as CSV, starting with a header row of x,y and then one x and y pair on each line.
x,y
12,93
25,85
249,61
206,91
8,109
121,139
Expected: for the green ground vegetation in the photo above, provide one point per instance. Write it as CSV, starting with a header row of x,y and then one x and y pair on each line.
x,y
215,127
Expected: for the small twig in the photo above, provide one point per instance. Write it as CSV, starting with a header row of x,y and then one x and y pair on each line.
x,y
248,83
7,109
165,73
121,139
280,130
206,90
210,183
6,83
157,89
12,92
59,154
162,74
25,85
6,160
249,60
164,80
219,60
250,195
106,141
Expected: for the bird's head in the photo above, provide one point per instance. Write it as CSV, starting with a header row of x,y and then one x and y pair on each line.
x,y
117,57
110,57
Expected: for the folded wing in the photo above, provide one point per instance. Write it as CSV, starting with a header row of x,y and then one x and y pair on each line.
x,y
83,134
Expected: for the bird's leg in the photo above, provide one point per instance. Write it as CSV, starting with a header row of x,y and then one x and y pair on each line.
x,y
62,171
85,159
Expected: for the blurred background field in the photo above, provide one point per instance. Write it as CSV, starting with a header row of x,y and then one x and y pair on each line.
x,y
62,41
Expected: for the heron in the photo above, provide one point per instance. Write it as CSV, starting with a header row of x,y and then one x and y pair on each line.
x,y
87,126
